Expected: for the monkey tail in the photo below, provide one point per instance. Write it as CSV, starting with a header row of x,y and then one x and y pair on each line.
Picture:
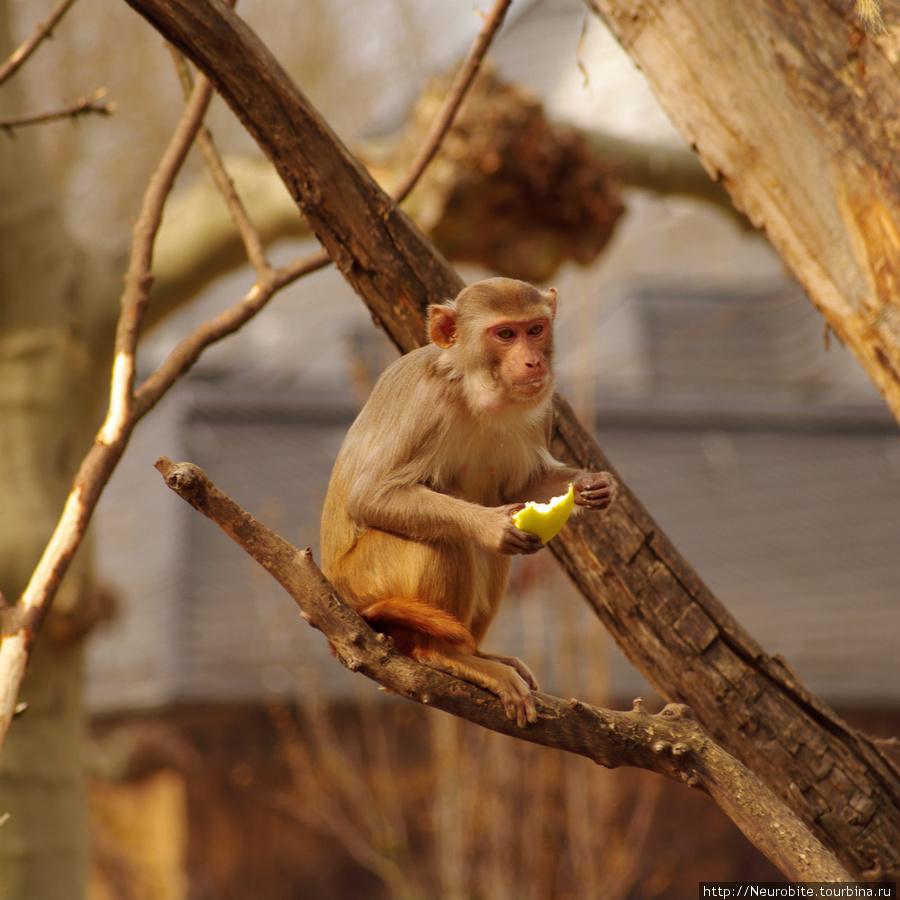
x,y
399,616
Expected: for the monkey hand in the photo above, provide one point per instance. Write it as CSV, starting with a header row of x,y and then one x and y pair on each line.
x,y
511,540
595,491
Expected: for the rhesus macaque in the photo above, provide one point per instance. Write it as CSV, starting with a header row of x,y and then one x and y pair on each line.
x,y
417,531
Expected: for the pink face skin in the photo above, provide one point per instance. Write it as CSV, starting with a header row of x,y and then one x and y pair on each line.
x,y
519,345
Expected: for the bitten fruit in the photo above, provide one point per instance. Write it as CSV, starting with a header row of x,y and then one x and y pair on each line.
x,y
546,519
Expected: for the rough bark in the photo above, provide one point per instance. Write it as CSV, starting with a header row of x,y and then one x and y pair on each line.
x,y
667,621
686,642
796,110
670,743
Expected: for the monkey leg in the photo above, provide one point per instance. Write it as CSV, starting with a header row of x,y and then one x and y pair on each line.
x,y
498,677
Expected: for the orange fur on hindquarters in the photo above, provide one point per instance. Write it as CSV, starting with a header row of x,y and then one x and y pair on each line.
x,y
404,619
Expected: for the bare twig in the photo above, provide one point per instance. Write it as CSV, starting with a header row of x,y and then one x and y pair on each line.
x,y
41,33
453,101
138,279
85,106
253,243
670,743
188,351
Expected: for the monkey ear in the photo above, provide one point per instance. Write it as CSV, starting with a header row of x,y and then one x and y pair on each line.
x,y
442,326
551,297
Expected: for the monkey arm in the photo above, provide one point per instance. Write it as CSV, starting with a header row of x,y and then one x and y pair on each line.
x,y
393,496
387,504
405,442
551,482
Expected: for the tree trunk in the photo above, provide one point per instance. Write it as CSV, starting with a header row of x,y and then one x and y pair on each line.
x,y
667,621
796,110
49,364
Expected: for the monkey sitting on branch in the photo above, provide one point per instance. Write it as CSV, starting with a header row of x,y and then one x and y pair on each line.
x,y
417,529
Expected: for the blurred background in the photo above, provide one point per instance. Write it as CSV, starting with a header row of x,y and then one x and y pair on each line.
x,y
229,755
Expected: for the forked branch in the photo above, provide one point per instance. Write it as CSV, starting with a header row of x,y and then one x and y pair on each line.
x,y
670,743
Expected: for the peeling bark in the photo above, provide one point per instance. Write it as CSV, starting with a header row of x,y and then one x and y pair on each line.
x,y
796,110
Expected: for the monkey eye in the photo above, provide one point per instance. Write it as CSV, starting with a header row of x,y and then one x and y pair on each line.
x,y
536,329
505,334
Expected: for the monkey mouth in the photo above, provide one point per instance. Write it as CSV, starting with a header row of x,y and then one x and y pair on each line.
x,y
530,387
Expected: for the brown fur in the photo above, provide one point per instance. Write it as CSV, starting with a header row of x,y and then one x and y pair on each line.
x,y
416,529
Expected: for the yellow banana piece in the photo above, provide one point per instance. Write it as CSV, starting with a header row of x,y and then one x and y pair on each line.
x,y
546,519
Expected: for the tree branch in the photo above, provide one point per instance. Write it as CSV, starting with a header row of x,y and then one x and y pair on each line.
x,y
253,243
41,33
796,116
453,101
189,350
90,105
670,743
